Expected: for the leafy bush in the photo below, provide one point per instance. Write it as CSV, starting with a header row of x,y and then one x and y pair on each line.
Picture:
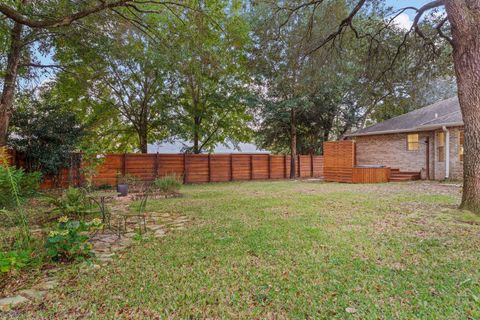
x,y
14,260
16,185
168,184
69,241
104,187
46,132
74,201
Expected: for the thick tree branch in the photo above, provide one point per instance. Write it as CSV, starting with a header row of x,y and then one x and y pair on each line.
x,y
102,5
421,11
62,21
440,32
347,22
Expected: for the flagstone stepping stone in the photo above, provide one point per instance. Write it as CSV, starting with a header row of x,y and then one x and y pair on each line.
x,y
7,303
178,225
155,227
32,293
47,285
160,233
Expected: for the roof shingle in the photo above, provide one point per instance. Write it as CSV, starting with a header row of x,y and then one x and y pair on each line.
x,y
446,112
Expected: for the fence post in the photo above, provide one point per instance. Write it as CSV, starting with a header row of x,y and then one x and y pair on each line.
x,y
299,167
311,165
251,167
269,166
231,167
155,167
124,164
285,166
184,168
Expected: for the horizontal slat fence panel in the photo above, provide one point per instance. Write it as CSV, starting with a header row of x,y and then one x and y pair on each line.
x,y
339,154
339,160
277,167
305,163
171,164
241,164
318,166
338,174
197,168
191,168
220,168
260,167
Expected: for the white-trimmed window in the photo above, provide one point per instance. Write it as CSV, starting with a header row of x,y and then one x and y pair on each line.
x,y
412,142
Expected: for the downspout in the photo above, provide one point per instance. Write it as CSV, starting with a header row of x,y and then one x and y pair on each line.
x,y
447,152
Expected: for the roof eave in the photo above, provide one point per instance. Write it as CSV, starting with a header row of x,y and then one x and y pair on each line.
x,y
374,133
420,128
440,125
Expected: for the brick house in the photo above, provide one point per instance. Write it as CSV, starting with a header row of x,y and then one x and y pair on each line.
x,y
428,140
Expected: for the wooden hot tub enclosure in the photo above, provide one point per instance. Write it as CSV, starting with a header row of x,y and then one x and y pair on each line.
x,y
370,175
340,165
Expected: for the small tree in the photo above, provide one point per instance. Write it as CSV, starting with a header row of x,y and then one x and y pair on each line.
x,y
45,132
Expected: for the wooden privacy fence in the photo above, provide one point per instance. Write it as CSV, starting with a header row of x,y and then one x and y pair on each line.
x,y
193,168
339,157
341,165
198,168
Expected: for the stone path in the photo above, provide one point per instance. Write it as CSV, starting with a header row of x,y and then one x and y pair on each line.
x,y
35,293
105,245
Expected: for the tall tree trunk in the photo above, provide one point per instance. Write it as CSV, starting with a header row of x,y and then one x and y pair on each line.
x,y
293,143
196,136
143,128
326,134
464,18
143,141
10,79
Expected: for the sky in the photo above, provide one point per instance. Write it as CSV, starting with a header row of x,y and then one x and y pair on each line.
x,y
405,20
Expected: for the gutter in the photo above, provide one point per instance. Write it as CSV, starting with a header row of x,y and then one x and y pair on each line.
x,y
447,152
381,132
416,129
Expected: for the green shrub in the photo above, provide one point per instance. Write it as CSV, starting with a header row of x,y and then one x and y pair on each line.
x,y
104,187
69,240
169,183
16,186
73,202
14,260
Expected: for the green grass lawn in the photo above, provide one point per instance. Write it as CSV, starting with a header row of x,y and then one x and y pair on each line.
x,y
291,250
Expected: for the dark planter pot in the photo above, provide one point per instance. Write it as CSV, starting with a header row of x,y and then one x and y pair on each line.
x,y
122,189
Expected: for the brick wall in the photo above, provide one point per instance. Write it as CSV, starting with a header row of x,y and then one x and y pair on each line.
x,y
391,150
456,166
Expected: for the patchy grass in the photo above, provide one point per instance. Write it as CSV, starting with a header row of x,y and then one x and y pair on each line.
x,y
292,250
